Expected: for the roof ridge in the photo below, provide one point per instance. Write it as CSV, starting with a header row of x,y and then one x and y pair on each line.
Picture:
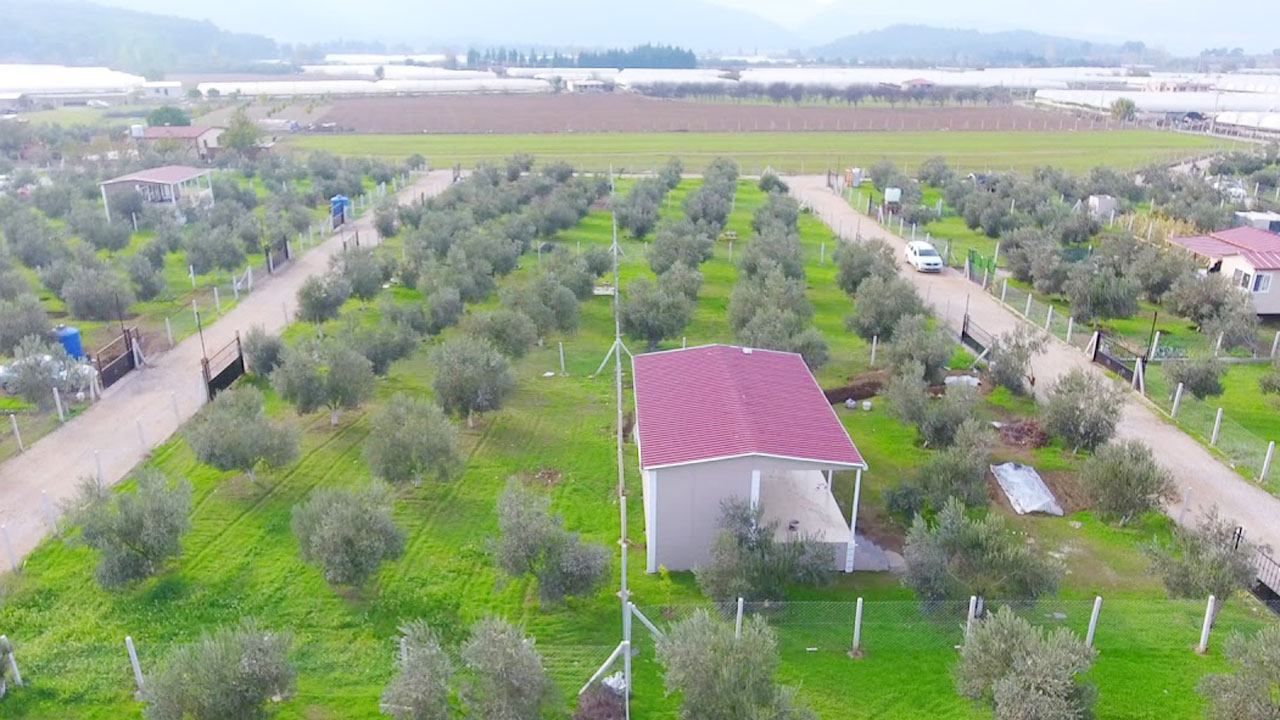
x,y
740,405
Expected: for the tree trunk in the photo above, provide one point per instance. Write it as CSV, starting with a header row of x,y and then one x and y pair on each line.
x,y
471,420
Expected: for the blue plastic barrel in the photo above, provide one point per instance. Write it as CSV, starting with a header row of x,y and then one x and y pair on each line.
x,y
70,339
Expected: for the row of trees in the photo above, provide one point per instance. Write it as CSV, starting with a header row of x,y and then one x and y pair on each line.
x,y
782,92
637,212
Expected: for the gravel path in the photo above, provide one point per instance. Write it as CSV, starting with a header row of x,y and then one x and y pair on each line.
x,y
148,405
1198,475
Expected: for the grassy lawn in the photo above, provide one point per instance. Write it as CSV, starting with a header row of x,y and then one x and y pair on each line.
x,y
792,152
240,559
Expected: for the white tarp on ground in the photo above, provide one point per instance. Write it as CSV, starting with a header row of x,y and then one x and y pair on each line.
x,y
1025,490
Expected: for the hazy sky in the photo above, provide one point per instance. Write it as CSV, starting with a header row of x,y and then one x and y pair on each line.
x,y
1177,25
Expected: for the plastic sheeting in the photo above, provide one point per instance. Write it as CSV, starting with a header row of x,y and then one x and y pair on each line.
x,y
1025,490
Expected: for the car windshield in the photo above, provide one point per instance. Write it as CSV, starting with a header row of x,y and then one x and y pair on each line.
x,y
928,252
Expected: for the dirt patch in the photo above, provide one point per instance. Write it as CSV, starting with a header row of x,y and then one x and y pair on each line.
x,y
860,387
543,477
1025,433
628,112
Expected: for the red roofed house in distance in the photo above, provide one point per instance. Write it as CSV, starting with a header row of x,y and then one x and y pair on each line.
x,y
717,422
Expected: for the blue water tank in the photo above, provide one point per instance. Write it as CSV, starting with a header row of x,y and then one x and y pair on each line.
x,y
338,205
70,339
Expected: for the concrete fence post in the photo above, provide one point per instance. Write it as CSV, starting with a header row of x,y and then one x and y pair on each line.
x,y
737,625
191,272
1048,318
822,254
8,548
1217,426
857,628
97,467
168,330
1177,401
13,664
1093,621
217,301
57,402
13,420
404,651
562,372
133,661
969,617
1004,290
1217,346
1204,628
49,518
875,342
195,312
1027,312
995,258
1071,324
1275,344
1155,344
1266,463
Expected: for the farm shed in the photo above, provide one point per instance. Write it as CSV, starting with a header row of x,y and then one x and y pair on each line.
x,y
718,422
198,142
171,184
1249,257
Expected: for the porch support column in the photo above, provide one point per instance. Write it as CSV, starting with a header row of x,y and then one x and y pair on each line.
x,y
106,204
650,520
853,522
755,489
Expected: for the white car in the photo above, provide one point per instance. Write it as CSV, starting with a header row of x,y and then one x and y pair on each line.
x,y
923,257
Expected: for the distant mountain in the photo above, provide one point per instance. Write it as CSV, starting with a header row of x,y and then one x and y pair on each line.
x,y
693,24
922,43
80,33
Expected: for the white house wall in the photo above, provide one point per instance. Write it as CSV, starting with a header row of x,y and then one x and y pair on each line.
x,y
1264,303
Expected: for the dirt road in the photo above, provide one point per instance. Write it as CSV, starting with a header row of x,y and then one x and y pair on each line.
x,y
1195,471
145,408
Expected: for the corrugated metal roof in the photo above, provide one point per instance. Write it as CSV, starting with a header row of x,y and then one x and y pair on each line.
x,y
1225,243
1263,260
720,401
179,132
165,175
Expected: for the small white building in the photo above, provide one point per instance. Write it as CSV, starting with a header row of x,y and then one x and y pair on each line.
x,y
174,185
718,422
1102,206
1269,221
1249,257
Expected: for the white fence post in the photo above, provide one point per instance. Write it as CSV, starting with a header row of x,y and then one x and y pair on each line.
x,y
1004,290
8,548
1217,425
822,254
13,664
737,625
1071,324
1048,318
968,621
875,341
1027,311
857,628
1204,629
97,467
168,330
195,312
1266,463
57,401
1155,344
191,272
1275,344
133,662
217,301
1217,346
13,420
1177,401
1093,621
562,372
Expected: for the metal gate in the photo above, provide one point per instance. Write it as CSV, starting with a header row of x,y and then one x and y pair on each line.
x,y
115,359
222,369
1117,357
976,338
278,254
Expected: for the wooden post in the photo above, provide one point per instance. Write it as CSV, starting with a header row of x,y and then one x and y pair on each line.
x,y
1204,628
1093,621
13,420
1217,426
1177,401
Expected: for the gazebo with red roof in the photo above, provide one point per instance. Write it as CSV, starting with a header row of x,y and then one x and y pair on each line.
x,y
719,422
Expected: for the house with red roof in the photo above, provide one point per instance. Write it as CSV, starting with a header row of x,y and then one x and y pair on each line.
x,y
717,422
1248,256
195,142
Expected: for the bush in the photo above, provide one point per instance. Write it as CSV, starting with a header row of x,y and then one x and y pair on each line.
x,y
1083,408
233,433
321,297
348,533
904,501
262,351
134,533
471,377
1208,559
1100,292
1200,375
1124,480
1024,671
857,261
22,317
363,272
411,439
944,415
213,250
879,304
679,242
951,559
42,367
1248,692
230,674
380,344
600,703
1199,298
511,332
637,212
446,307
959,471
771,183
420,688
147,280
650,312
96,294
683,280
533,541
915,341
747,560
1009,362
507,678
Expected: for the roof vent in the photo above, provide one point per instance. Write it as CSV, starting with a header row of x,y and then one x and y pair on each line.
x,y
746,351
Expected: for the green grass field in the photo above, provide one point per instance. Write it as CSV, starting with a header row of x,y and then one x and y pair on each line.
x,y
240,558
791,152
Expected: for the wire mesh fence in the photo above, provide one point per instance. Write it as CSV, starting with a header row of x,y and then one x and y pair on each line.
x,y
1210,423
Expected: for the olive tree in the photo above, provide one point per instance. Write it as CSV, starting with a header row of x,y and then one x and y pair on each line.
x,y
1249,691
637,212
363,272
349,533
879,304
652,313
1124,480
96,294
533,541
679,242
471,377
1083,409
1026,672
915,339
1009,362
954,557
133,532
262,350
857,261
420,688
682,279
960,470
412,439
331,375
506,678
1100,292
21,317
320,297
748,561
234,433
1206,559
724,675
229,674
510,331
1200,375
213,250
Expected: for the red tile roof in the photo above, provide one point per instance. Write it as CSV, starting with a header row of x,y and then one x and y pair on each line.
x,y
166,175
721,401
177,132
1236,241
